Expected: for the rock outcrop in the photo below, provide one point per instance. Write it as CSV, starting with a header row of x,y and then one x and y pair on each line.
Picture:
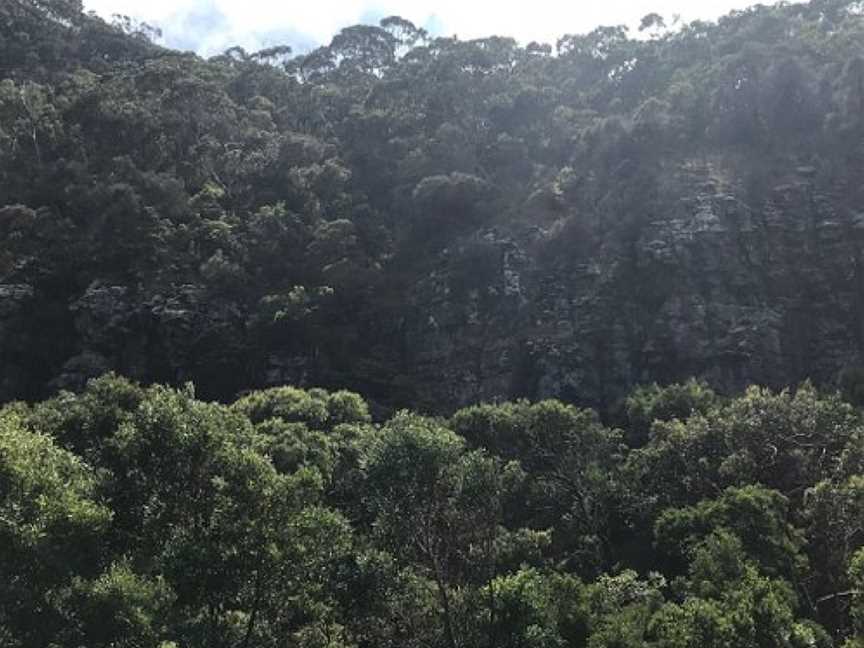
x,y
733,293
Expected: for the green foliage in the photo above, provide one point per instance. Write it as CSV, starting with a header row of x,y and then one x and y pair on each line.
x,y
627,210
655,403
51,523
142,516
779,440
756,516
620,608
531,609
316,408
119,608
572,463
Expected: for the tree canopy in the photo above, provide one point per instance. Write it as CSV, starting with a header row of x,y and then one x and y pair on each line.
x,y
141,516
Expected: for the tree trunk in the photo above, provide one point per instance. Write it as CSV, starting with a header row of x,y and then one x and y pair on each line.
x,y
445,606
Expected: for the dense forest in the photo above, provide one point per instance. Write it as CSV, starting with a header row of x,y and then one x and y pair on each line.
x,y
429,221
417,342
135,517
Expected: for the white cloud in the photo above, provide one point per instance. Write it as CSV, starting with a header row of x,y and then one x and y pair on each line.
x,y
212,25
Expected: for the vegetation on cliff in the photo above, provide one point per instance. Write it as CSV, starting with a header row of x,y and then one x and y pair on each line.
x,y
432,221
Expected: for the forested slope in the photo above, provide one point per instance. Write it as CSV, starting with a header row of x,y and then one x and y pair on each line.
x,y
446,226
432,221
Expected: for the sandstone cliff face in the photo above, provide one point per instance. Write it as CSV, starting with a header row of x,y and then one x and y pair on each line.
x,y
15,300
714,283
731,292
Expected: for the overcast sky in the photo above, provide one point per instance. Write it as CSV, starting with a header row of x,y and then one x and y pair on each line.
x,y
211,26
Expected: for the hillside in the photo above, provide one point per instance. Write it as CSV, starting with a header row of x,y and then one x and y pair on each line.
x,y
413,342
434,222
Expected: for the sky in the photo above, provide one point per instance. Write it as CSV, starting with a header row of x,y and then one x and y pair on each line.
x,y
211,26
